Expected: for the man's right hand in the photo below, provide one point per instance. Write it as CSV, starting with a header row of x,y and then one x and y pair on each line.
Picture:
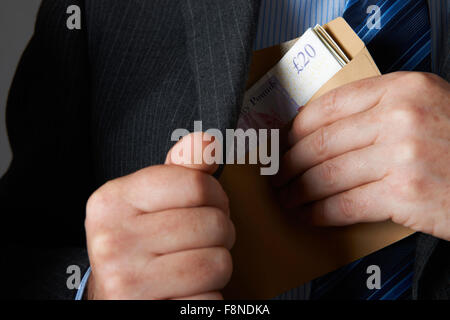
x,y
163,232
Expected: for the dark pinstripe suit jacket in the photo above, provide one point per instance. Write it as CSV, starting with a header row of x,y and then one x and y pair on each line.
x,y
90,105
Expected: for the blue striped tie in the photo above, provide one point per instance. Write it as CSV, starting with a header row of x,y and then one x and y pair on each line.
x,y
403,41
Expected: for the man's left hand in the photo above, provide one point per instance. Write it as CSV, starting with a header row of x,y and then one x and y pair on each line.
x,y
373,150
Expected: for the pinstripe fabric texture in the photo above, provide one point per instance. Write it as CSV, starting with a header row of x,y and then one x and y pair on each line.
x,y
163,62
141,78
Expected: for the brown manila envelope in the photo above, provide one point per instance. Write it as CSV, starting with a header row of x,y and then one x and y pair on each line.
x,y
272,253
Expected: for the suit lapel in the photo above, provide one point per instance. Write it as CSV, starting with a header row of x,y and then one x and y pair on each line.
x,y
219,37
142,86
160,65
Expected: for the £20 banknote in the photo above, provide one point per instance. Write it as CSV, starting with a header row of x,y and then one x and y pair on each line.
x,y
275,99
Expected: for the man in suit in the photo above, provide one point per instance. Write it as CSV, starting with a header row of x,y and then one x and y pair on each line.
x,y
90,114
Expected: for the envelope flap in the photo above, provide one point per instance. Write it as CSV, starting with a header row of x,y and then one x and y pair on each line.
x,y
345,37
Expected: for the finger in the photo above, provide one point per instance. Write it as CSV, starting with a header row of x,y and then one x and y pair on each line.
x,y
183,229
196,151
160,188
354,132
339,103
336,175
204,296
362,204
188,273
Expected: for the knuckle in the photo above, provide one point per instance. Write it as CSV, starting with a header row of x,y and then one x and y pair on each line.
x,y
103,246
330,101
320,141
418,80
346,207
407,115
98,205
115,284
411,150
328,172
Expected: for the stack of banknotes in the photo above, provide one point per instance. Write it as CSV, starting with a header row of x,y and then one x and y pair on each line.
x,y
275,99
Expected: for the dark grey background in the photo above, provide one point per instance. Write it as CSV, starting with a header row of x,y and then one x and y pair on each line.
x,y
17,19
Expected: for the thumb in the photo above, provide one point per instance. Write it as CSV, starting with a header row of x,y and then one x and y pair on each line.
x,y
197,151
